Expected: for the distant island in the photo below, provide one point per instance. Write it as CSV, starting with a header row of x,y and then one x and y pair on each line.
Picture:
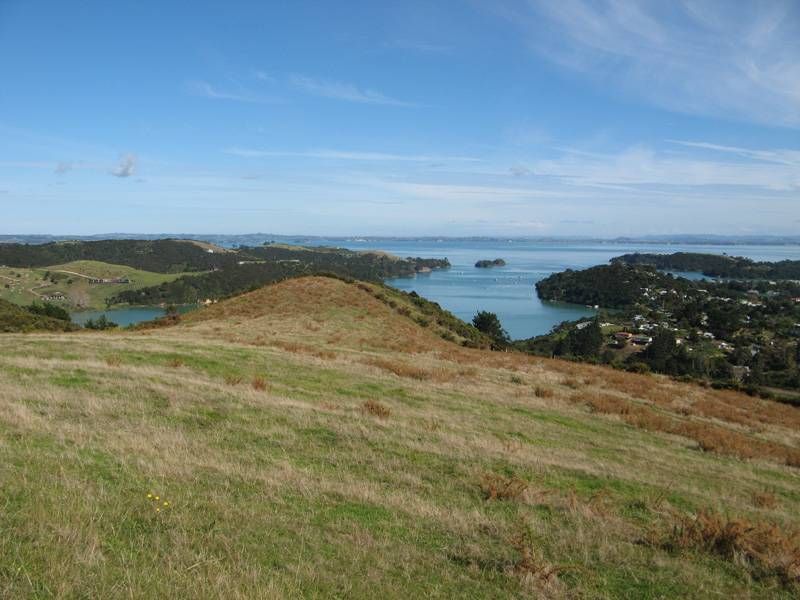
x,y
488,264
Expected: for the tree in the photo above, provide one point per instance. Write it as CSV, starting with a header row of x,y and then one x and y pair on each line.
x,y
585,341
660,350
50,310
488,323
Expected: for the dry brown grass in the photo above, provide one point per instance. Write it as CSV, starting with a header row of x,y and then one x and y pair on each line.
x,y
175,363
233,379
405,369
376,409
259,383
609,404
709,437
536,572
499,487
765,499
764,548
543,392
399,368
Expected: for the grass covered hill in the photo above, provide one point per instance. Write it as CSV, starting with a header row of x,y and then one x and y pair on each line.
x,y
74,285
313,440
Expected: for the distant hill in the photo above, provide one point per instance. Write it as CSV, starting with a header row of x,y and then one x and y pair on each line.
x,y
261,265
159,256
715,265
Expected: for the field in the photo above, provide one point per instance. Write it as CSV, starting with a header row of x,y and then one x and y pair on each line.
x,y
318,438
25,286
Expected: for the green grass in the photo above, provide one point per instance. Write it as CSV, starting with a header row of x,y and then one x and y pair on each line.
x,y
296,491
25,286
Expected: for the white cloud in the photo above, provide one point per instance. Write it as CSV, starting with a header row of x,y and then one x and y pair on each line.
x,y
714,58
126,166
206,90
344,91
345,155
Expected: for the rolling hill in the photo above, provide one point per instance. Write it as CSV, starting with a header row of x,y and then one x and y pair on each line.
x,y
322,437
72,283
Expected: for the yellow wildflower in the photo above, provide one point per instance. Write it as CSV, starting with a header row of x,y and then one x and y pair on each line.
x,y
149,495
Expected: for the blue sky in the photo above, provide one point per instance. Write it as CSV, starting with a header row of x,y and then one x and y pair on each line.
x,y
521,118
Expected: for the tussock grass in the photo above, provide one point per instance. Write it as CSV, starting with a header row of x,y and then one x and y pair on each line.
x,y
499,487
376,409
765,549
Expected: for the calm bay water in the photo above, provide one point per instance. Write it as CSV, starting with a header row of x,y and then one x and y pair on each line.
x,y
125,316
509,291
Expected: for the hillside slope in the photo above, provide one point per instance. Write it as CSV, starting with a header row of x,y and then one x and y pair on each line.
x,y
15,319
312,440
72,282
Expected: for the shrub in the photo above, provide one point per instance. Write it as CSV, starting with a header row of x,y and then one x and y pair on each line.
x,y
763,548
259,383
541,392
376,409
498,487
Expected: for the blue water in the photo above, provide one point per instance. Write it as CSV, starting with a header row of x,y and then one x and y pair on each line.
x,y
509,291
125,316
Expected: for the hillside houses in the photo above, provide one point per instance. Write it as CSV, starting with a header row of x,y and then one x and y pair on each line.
x,y
114,280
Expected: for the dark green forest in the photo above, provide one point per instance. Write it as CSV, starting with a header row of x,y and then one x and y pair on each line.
x,y
714,265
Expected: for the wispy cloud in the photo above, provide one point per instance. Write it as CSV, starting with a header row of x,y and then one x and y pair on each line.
x,y
126,166
346,155
779,156
63,167
708,58
344,91
206,90
643,166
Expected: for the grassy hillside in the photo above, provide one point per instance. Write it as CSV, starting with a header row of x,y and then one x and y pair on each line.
x,y
313,440
24,286
15,319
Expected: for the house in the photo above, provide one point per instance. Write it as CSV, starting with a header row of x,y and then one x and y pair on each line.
x,y
740,372
115,280
641,340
